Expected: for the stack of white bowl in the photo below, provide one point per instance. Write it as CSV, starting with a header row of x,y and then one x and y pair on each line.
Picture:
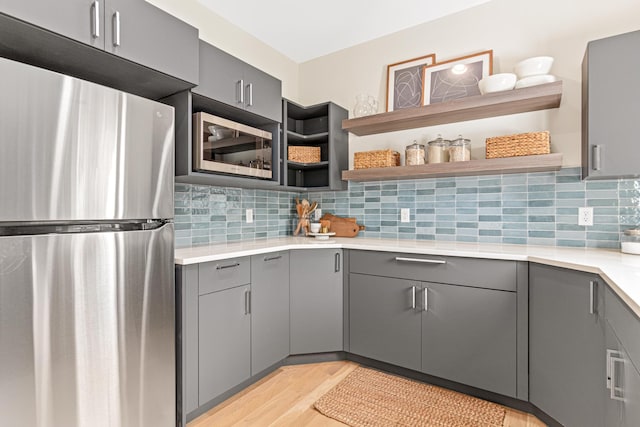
x,y
534,71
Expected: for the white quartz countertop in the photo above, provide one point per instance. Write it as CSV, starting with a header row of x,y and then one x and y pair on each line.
x,y
620,271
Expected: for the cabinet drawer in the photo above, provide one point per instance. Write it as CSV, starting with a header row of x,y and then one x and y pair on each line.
x,y
625,324
224,274
482,273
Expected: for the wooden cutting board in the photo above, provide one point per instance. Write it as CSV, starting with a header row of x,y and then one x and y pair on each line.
x,y
343,227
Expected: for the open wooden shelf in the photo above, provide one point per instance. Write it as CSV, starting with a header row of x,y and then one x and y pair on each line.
x,y
532,98
541,163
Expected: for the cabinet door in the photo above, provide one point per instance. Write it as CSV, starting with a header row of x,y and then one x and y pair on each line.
x,y
70,18
263,94
269,310
224,341
469,336
142,33
384,319
566,343
611,108
316,301
220,76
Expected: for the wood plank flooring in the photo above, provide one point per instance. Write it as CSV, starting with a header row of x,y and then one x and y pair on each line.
x,y
286,397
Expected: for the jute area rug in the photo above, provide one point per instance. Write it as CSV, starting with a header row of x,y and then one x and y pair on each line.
x,y
369,398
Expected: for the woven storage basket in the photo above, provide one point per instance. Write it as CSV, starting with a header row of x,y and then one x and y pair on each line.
x,y
376,159
303,154
522,144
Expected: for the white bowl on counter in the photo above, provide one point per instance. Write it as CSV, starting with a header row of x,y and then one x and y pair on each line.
x,y
497,83
536,66
535,80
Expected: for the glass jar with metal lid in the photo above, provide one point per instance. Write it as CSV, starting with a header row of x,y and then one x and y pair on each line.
x,y
414,154
438,150
460,149
630,241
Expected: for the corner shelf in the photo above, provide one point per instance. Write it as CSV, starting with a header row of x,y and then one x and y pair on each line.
x,y
514,101
521,164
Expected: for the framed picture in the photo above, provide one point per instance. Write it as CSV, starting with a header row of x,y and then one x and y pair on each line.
x,y
456,78
404,82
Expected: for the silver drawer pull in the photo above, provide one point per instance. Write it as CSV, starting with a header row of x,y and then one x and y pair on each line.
x,y
413,297
273,258
222,267
426,299
425,261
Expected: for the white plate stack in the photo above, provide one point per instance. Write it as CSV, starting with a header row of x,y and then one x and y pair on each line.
x,y
534,71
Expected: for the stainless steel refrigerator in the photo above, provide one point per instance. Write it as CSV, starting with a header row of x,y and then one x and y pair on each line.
x,y
86,254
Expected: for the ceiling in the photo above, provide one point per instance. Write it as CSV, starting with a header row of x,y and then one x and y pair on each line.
x,y
304,30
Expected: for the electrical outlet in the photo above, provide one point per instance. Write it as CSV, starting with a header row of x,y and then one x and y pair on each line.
x,y
585,216
249,216
317,214
405,215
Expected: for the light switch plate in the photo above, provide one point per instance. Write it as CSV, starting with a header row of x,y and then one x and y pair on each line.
x,y
317,214
249,216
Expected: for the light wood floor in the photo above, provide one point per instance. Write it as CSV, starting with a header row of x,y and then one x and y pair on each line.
x,y
286,397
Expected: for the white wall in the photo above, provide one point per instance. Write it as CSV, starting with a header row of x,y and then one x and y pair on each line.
x,y
514,29
224,35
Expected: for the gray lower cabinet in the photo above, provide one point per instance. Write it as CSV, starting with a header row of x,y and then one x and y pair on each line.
x,y
622,363
384,319
132,29
269,310
235,83
610,107
316,301
566,343
469,336
224,341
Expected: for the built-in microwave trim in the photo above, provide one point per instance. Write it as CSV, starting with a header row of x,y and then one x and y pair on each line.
x,y
199,145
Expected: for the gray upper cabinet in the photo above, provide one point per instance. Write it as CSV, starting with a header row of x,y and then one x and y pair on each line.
x,y
566,343
80,20
142,33
384,319
316,301
235,83
469,336
129,29
610,94
269,310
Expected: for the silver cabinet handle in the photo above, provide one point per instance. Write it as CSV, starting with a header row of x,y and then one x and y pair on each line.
x,y
247,302
413,297
596,163
426,299
95,19
240,91
337,262
425,261
222,267
116,28
616,392
592,296
273,258
250,97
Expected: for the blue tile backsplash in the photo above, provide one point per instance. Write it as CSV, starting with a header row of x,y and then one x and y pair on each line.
x,y
535,208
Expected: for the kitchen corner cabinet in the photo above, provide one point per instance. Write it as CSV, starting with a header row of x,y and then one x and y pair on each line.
x,y
269,310
316,301
610,107
230,81
622,353
131,29
437,315
315,126
566,343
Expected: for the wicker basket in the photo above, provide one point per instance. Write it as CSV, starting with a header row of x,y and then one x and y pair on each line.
x,y
304,154
376,159
522,144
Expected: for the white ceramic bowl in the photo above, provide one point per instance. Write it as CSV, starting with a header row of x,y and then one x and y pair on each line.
x,y
314,227
536,66
535,80
497,83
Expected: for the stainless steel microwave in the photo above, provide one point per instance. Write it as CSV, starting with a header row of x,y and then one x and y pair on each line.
x,y
224,146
